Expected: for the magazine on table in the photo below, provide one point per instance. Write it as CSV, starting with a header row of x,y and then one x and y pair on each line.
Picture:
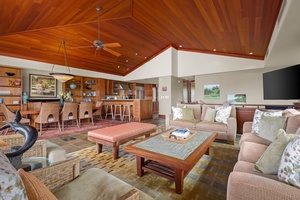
x,y
182,133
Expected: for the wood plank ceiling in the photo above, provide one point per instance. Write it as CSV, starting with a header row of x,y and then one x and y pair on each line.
x,y
33,29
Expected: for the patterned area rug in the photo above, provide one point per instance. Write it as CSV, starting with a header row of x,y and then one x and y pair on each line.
x,y
207,180
52,132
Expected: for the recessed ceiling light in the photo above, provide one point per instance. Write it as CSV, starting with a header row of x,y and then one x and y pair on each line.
x,y
214,49
118,66
145,57
180,46
126,60
127,69
136,54
250,53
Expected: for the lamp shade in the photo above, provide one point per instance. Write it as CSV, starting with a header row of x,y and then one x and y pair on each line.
x,y
62,77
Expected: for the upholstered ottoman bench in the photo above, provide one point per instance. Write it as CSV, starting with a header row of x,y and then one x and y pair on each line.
x,y
114,136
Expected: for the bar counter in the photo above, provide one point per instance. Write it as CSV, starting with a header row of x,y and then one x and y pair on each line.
x,y
141,108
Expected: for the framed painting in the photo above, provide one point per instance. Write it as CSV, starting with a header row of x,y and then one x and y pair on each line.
x,y
41,86
212,91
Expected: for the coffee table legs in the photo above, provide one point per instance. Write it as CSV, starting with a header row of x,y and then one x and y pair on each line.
x,y
140,162
179,178
178,174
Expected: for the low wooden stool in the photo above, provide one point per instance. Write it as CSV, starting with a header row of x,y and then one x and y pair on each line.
x,y
114,136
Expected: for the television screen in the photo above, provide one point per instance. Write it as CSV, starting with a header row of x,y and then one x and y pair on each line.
x,y
282,84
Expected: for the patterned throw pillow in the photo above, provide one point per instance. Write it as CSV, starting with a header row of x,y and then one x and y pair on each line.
x,y
257,117
290,164
222,114
11,185
177,113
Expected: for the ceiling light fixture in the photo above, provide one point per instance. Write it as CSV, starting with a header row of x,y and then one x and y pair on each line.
x,y
62,77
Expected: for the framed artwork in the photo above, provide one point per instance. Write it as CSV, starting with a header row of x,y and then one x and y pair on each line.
x,y
212,91
236,98
42,86
164,88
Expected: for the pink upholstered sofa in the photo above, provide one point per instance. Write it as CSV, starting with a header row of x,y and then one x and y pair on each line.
x,y
246,183
225,131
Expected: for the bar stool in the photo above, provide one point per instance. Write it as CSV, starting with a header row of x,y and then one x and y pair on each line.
x,y
127,111
109,110
118,111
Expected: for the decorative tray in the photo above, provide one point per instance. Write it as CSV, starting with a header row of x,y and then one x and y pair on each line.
x,y
167,134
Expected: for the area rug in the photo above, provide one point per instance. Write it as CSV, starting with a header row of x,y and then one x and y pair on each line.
x,y
207,180
52,132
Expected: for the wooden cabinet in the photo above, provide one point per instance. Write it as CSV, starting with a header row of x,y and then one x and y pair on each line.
x,y
10,89
112,87
148,91
87,89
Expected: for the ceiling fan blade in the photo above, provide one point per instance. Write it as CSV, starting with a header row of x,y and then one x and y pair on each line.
x,y
116,44
112,52
81,47
87,40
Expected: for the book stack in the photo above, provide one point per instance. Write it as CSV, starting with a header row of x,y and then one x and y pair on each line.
x,y
181,133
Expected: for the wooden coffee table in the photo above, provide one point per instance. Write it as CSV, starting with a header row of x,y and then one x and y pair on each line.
x,y
170,159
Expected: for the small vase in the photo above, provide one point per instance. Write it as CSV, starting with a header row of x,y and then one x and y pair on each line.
x,y
24,98
73,85
61,102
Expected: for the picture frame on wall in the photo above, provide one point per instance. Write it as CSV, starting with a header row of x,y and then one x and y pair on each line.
x,y
41,86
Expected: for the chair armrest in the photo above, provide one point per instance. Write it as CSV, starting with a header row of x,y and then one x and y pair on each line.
x,y
167,120
243,185
247,127
37,150
58,174
231,129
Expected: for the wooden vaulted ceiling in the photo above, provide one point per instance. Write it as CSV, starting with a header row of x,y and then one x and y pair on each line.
x,y
33,29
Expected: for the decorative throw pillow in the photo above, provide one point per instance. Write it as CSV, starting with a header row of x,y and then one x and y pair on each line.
x,y
222,114
210,115
269,161
2,143
35,188
298,131
290,164
188,114
269,125
257,117
177,113
11,185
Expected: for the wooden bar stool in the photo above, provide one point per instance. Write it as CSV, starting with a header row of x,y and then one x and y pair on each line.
x,y
109,110
118,111
127,111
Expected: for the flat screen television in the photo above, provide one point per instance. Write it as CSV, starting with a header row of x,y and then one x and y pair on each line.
x,y
282,84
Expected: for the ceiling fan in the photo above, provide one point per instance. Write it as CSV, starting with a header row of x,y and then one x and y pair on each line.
x,y
99,44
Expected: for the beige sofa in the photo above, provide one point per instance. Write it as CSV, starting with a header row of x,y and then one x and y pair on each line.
x,y
246,183
225,131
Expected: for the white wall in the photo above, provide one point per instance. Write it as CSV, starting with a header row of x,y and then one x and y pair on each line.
x,y
191,64
164,97
243,82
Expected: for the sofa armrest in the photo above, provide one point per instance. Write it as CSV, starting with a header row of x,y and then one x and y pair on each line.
x,y
243,185
247,127
168,118
58,174
231,129
37,150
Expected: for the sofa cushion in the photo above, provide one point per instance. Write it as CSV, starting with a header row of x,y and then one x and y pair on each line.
x,y
257,117
222,114
188,114
196,109
11,185
210,115
211,126
269,125
100,185
177,113
247,167
251,137
251,152
290,164
293,123
35,188
269,161
191,124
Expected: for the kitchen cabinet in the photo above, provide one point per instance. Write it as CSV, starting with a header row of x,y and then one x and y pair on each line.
x,y
112,87
10,89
